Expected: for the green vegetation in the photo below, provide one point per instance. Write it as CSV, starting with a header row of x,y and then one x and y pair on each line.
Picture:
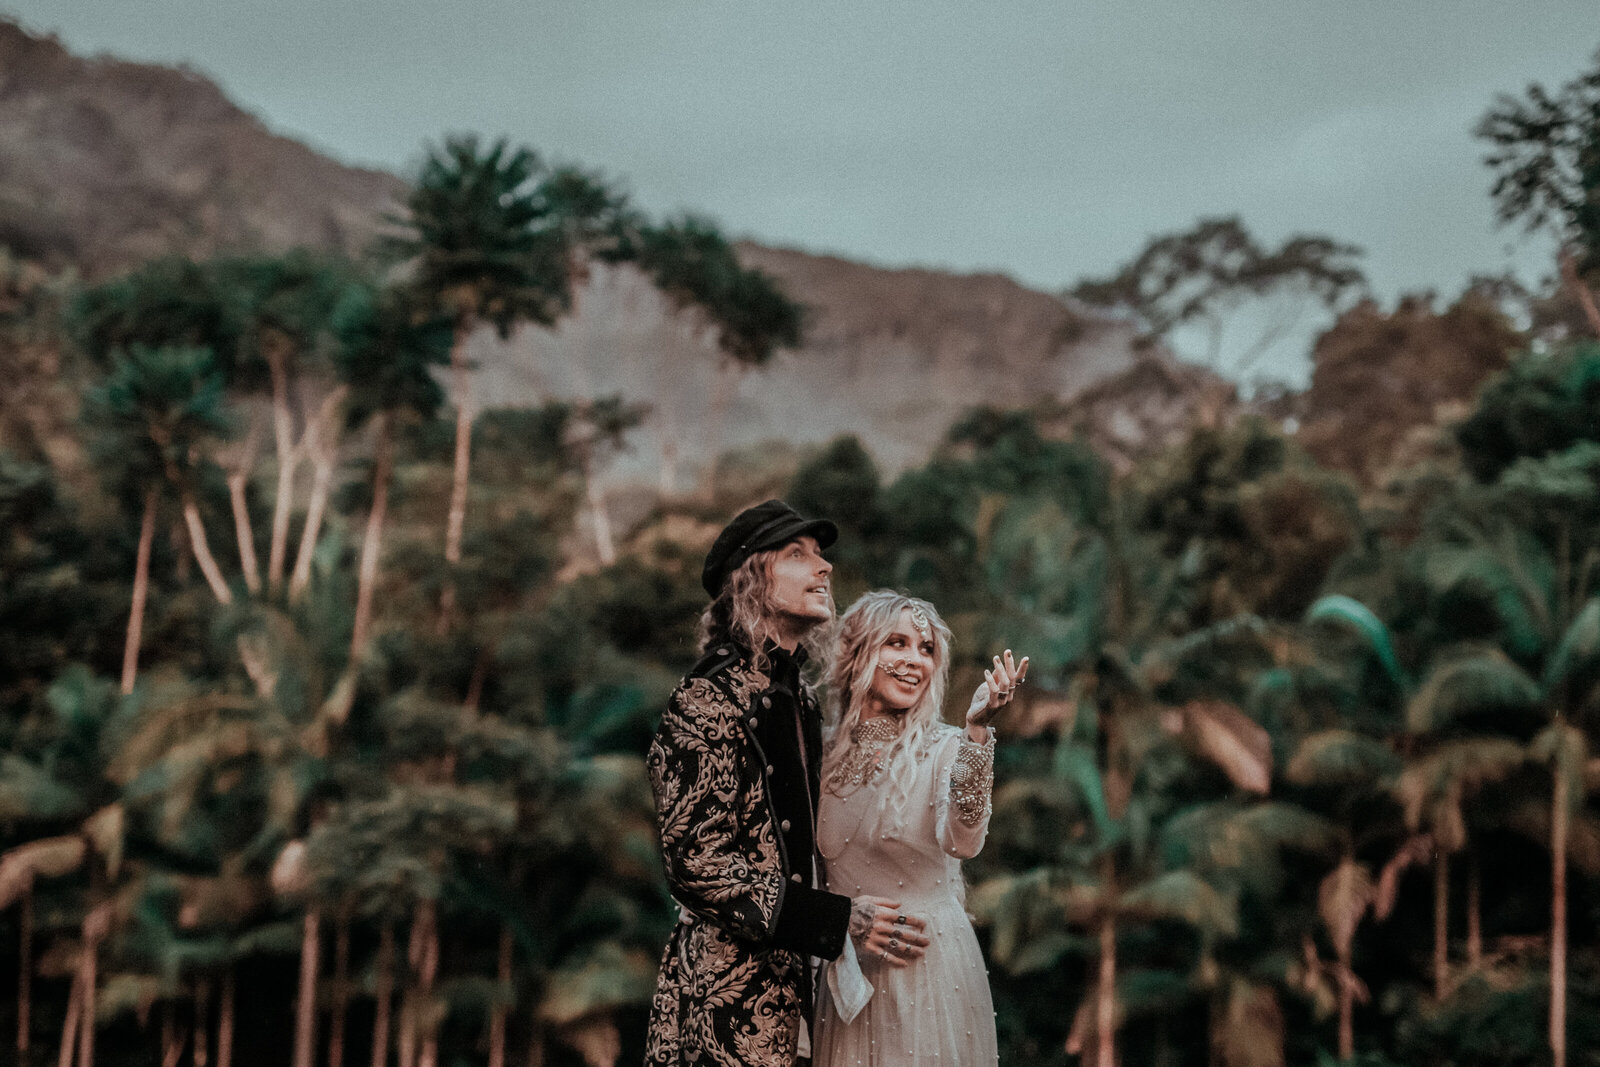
x,y
322,714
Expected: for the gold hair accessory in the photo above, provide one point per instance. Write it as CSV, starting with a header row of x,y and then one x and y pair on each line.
x,y
919,619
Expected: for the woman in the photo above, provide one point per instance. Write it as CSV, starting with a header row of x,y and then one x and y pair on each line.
x,y
905,798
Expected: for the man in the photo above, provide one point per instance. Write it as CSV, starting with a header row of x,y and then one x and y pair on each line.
x,y
736,768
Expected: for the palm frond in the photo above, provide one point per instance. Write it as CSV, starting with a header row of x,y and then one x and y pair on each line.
x,y
1578,652
1348,611
1342,899
1182,895
50,857
1477,683
1341,758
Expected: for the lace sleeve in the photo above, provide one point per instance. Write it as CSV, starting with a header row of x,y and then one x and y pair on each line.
x,y
972,780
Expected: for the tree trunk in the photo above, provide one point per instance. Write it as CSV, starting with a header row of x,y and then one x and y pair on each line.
x,y
1441,922
184,565
1474,912
88,981
172,1039
225,1021
385,997
305,1021
288,463
202,1023
1347,1008
497,1017
410,1000
480,674
668,432
202,550
428,1055
455,525
25,974
323,437
1105,1009
69,1027
372,541
406,1043
1558,922
1569,275
240,467
141,592
341,988
242,532
605,545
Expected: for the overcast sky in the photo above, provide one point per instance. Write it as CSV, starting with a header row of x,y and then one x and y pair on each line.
x,y
1043,138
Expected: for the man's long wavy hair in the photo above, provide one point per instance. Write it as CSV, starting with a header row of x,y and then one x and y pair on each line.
x,y
743,614
861,633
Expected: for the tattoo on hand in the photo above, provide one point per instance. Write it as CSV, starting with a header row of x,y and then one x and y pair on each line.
x,y
862,914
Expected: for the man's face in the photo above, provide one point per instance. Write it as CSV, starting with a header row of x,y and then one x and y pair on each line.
x,y
802,596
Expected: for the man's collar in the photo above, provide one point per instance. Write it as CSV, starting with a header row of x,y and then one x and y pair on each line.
x,y
778,654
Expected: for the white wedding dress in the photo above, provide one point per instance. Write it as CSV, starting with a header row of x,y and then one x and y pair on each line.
x,y
908,846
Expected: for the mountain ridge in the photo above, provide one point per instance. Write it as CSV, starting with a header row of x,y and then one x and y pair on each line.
x,y
105,163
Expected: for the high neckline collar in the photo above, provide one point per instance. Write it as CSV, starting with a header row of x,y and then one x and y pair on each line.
x,y
777,654
877,729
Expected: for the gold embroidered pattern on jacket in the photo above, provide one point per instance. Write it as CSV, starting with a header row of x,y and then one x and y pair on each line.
x,y
723,998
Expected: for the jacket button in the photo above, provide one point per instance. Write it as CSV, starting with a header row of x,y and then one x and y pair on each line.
x,y
754,722
766,702
722,652
785,825
771,769
794,877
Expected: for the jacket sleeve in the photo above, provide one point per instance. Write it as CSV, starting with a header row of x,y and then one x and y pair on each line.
x,y
812,922
717,843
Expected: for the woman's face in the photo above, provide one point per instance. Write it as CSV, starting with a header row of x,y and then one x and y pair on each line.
x,y
904,667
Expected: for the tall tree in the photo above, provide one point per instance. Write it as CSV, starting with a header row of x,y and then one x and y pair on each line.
x,y
473,238
282,304
1545,157
1216,275
387,346
161,405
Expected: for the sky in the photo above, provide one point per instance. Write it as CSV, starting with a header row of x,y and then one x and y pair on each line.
x,y
1046,140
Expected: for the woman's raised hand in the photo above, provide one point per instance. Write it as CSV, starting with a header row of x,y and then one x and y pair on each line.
x,y
999,684
880,931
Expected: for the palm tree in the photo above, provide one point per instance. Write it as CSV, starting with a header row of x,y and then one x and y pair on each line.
x,y
386,347
156,409
1094,607
473,238
1350,776
598,432
282,304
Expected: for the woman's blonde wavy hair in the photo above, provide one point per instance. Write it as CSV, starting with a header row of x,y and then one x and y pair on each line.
x,y
742,613
860,634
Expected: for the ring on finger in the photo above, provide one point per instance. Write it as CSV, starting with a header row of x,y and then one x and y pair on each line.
x,y
886,954
894,942
899,920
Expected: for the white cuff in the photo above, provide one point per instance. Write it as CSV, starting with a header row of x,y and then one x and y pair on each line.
x,y
848,986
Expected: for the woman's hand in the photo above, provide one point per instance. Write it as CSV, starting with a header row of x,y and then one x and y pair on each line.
x,y
999,683
881,932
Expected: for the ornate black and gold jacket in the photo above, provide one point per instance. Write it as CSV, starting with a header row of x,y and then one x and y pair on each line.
x,y
736,767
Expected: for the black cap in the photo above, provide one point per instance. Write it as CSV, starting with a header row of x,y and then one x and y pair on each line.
x,y
772,524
